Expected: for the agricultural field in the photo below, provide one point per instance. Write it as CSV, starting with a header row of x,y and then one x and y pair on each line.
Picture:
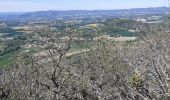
x,y
7,59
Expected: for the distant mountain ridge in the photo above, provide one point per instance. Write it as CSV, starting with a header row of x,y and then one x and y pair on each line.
x,y
52,14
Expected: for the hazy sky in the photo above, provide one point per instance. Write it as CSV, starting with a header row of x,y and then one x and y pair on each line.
x,y
37,5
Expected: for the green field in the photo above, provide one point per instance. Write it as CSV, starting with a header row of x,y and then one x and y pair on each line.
x,y
118,32
79,46
6,60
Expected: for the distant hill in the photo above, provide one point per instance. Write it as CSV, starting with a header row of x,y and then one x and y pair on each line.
x,y
41,15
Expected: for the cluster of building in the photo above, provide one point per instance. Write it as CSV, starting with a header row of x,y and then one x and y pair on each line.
x,y
149,19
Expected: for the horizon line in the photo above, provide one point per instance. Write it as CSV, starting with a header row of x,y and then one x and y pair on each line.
x,y
81,9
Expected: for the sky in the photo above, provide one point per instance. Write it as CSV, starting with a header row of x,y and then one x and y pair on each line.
x,y
43,5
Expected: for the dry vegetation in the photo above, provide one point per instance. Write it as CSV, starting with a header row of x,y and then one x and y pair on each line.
x,y
109,71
